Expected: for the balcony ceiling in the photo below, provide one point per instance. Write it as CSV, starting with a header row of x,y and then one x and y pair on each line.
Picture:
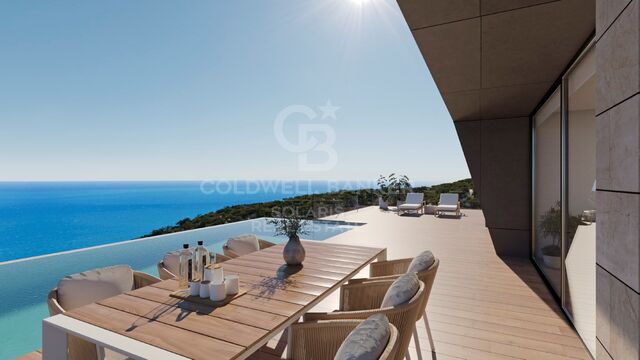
x,y
496,59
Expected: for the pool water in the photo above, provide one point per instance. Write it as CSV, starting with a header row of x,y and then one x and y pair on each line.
x,y
26,282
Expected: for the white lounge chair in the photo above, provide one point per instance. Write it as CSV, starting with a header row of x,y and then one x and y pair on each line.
x,y
414,202
448,203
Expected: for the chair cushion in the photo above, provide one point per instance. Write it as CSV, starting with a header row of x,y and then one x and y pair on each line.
x,y
414,198
401,291
171,262
448,199
367,341
447,207
90,286
410,206
243,244
421,262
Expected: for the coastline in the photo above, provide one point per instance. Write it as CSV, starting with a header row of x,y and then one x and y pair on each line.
x,y
314,206
40,218
45,218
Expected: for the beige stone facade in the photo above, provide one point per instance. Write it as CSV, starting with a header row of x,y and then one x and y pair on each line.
x,y
618,176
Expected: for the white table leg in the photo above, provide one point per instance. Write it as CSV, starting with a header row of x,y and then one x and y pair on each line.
x,y
54,342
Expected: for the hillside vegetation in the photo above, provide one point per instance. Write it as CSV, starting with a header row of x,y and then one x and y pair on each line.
x,y
315,206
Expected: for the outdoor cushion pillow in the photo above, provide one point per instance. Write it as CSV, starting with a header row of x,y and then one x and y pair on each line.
x,y
367,341
401,291
448,199
415,198
90,286
243,244
171,262
421,262
410,206
448,207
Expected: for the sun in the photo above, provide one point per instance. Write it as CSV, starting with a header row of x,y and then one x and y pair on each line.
x,y
360,2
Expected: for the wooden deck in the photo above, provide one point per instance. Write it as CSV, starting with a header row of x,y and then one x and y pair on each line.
x,y
482,306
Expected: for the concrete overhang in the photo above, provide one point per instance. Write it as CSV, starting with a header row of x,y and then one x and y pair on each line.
x,y
497,58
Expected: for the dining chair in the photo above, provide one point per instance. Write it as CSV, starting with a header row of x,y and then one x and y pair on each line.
x,y
343,339
87,287
243,245
427,266
363,299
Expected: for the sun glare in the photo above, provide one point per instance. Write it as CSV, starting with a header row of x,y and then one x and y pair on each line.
x,y
360,2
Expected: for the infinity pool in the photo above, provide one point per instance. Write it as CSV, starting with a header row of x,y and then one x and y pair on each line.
x,y
25,283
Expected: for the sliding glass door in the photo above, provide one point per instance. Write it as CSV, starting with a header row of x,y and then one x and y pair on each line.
x,y
547,210
564,173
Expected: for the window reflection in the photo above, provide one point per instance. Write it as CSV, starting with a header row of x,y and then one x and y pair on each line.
x,y
579,298
579,214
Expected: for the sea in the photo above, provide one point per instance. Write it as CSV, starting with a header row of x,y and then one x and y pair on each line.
x,y
38,218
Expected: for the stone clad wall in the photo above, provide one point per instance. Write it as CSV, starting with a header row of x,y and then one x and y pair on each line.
x,y
618,179
498,150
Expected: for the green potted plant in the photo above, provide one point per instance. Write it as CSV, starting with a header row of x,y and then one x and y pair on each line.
x,y
291,226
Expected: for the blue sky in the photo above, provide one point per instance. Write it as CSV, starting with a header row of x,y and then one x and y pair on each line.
x,y
190,90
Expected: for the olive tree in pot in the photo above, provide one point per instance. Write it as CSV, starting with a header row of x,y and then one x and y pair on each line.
x,y
383,191
292,227
551,227
390,189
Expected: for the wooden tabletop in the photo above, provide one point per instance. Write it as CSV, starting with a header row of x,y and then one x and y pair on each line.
x,y
277,296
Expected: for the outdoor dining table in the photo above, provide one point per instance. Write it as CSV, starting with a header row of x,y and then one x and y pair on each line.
x,y
148,323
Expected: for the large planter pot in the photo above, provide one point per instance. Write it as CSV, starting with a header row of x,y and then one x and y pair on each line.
x,y
551,256
293,252
383,204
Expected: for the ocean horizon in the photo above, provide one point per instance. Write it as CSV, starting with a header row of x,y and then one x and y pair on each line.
x,y
45,217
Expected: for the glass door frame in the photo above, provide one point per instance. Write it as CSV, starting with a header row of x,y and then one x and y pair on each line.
x,y
561,84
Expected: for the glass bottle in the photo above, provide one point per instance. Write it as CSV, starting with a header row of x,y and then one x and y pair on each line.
x,y
186,267
201,258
